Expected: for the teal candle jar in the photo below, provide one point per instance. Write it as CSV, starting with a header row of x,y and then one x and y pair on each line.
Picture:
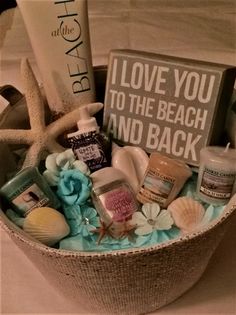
x,y
29,190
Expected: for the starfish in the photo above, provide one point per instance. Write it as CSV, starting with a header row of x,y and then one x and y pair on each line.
x,y
41,138
128,231
102,230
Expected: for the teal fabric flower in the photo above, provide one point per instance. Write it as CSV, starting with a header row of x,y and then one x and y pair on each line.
x,y
57,162
74,187
109,243
157,237
212,212
78,243
154,226
81,219
89,243
151,218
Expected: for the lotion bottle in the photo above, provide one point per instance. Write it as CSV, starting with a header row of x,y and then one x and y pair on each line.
x,y
60,38
89,144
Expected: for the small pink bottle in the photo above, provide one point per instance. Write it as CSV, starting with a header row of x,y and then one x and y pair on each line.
x,y
113,197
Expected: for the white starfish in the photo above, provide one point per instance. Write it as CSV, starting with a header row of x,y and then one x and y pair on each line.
x,y
40,138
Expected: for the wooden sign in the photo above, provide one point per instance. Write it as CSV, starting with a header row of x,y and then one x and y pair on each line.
x,y
166,104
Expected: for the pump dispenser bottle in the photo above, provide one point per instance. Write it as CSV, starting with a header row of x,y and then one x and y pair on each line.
x,y
89,144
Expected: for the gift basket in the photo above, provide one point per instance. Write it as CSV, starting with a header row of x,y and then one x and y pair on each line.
x,y
123,213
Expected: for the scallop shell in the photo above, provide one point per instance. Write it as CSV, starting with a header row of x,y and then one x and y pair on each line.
x,y
187,213
46,225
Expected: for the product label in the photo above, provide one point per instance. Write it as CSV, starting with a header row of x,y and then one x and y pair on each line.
x,y
32,197
118,204
70,31
91,148
156,187
89,152
165,104
217,184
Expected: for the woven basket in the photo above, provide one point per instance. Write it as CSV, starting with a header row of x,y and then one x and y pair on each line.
x,y
134,281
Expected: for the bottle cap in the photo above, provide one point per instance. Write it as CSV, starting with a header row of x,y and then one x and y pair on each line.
x,y
106,175
86,123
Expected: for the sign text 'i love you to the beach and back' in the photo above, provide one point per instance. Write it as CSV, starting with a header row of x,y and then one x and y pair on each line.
x,y
171,105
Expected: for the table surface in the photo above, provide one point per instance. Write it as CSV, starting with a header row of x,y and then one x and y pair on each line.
x,y
196,30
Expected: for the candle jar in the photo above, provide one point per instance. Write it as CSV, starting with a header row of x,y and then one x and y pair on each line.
x,y
163,180
29,190
217,174
113,198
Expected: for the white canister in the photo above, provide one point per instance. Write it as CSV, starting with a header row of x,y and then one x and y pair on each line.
x,y
217,174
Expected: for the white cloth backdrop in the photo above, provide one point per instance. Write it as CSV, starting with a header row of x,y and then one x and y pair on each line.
x,y
197,29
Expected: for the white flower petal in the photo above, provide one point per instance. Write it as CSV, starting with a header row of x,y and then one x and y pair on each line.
x,y
51,177
138,219
151,210
66,166
143,230
164,220
70,154
81,166
65,159
50,163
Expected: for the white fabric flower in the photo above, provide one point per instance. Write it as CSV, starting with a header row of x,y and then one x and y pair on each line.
x,y
57,162
151,218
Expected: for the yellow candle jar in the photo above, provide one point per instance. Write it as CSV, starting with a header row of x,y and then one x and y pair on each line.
x,y
217,174
163,180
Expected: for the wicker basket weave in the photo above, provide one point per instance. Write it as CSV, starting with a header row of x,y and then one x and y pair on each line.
x,y
134,281
129,281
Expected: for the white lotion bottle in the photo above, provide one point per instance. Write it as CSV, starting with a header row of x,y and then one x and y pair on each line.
x,y
59,34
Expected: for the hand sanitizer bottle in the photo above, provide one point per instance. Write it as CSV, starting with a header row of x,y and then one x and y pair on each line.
x,y
89,144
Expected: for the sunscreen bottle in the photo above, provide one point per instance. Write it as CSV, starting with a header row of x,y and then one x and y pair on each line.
x,y
59,35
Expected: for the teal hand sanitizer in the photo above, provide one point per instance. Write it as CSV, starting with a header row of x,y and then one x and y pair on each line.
x,y
89,144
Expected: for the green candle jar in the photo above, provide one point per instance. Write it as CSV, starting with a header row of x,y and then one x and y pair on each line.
x,y
29,190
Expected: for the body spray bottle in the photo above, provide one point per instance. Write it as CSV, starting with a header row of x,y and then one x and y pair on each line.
x,y
89,144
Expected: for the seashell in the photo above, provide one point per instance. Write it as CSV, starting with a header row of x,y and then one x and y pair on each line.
x,y
132,161
187,213
47,225
122,160
140,160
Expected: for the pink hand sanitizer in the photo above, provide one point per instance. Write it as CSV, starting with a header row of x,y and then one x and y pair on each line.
x,y
89,144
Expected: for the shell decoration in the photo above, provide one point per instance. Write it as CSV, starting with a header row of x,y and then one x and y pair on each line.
x,y
47,225
187,213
